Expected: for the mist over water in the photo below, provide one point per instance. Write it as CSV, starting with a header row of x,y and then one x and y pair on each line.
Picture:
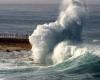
x,y
65,31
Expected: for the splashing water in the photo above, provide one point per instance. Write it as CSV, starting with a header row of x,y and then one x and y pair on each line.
x,y
56,39
57,43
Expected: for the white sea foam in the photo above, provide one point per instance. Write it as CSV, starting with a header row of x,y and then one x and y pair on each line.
x,y
52,41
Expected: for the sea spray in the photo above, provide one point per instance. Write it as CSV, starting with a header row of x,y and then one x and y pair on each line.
x,y
47,39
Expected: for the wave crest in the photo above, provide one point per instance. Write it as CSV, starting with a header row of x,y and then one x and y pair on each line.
x,y
67,27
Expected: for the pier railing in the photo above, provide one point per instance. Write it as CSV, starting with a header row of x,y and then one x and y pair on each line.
x,y
13,36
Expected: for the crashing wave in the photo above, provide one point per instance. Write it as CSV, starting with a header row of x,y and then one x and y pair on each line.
x,y
50,40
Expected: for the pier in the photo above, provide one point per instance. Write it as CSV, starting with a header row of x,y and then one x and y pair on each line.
x,y
14,41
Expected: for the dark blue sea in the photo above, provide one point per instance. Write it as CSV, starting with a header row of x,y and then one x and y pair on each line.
x,y
23,19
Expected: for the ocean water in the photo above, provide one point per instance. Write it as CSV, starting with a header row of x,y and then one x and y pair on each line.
x,y
17,18
82,65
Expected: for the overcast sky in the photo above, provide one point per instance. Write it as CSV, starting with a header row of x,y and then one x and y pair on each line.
x,y
38,1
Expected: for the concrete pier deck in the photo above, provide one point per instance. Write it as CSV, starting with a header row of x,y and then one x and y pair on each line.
x,y
14,42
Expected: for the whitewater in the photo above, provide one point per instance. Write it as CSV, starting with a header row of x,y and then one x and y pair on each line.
x,y
58,50
66,30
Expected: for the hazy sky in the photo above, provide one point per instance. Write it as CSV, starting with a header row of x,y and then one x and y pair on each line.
x,y
38,1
